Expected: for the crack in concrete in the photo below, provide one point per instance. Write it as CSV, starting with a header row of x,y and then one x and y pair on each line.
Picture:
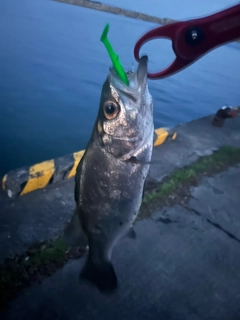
x,y
214,224
166,220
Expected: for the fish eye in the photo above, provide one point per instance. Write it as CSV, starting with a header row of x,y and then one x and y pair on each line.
x,y
111,110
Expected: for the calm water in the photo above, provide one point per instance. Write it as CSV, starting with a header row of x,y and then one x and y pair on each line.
x,y
52,66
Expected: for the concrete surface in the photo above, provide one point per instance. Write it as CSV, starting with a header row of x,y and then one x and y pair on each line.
x,y
34,218
42,214
217,199
182,266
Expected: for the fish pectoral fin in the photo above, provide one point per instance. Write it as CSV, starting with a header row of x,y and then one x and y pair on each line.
x,y
102,275
73,235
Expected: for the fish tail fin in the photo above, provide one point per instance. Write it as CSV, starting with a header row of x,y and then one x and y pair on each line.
x,y
73,234
102,275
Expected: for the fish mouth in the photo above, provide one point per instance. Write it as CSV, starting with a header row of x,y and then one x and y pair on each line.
x,y
142,70
137,79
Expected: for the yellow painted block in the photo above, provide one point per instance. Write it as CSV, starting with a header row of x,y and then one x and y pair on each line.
x,y
161,136
77,157
4,182
40,174
174,136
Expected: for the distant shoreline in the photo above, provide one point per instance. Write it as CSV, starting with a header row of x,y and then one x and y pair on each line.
x,y
119,11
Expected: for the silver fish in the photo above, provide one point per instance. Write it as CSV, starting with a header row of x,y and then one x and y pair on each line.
x,y
110,177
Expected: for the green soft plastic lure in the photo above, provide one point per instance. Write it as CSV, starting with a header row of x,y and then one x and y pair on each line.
x,y
114,57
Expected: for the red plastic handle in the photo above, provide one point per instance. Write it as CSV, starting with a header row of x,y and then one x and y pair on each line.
x,y
194,38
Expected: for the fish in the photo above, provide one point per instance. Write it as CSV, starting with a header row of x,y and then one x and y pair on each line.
x,y
110,177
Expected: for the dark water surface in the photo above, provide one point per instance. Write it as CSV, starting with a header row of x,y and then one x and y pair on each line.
x,y
52,67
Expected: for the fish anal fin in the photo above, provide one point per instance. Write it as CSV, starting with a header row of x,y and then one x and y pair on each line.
x,y
74,235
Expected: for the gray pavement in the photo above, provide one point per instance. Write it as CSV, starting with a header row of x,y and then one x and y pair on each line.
x,y
34,218
41,215
183,265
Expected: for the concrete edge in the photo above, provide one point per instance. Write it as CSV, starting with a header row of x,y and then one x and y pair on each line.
x,y
30,178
